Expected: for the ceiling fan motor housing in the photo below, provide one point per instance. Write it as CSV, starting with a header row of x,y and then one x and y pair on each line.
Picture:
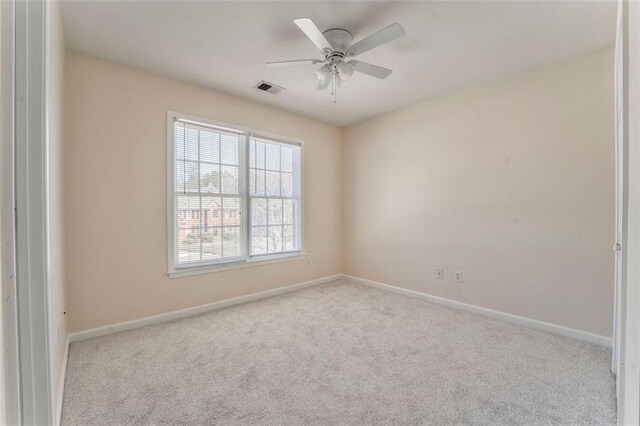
x,y
340,39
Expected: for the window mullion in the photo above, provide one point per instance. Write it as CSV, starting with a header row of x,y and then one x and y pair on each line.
x,y
221,198
222,203
281,200
199,200
245,211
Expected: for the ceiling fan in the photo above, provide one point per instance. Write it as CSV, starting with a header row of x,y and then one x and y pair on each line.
x,y
335,45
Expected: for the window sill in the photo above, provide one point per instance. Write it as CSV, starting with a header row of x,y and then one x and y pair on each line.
x,y
199,270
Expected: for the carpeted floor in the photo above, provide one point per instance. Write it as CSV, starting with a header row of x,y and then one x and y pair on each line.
x,y
340,353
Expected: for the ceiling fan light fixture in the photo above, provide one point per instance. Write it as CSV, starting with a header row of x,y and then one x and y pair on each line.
x,y
345,70
323,73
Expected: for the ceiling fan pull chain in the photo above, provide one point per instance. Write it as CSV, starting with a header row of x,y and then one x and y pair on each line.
x,y
335,88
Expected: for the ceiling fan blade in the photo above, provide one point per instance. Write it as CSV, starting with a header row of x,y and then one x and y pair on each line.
x,y
311,30
277,64
370,69
323,84
383,36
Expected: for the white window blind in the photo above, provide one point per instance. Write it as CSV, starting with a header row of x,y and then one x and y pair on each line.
x,y
218,174
208,195
274,194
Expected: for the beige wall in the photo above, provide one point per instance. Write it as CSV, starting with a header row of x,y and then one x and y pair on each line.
x,y
56,189
116,194
510,182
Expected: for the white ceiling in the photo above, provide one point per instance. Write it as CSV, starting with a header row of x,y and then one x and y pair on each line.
x,y
448,45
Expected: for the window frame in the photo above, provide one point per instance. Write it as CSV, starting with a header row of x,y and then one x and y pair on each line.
x,y
197,213
297,189
247,260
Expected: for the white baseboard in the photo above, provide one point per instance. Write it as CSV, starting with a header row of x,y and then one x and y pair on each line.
x,y
183,313
63,376
572,333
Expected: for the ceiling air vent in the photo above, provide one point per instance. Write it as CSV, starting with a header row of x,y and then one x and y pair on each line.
x,y
269,87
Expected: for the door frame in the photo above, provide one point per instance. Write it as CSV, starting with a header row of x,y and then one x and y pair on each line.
x,y
628,312
10,351
619,197
24,214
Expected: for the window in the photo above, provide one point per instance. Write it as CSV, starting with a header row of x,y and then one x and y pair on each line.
x,y
273,195
249,182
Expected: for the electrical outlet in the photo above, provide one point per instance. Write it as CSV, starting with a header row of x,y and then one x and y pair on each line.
x,y
308,263
457,277
440,274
